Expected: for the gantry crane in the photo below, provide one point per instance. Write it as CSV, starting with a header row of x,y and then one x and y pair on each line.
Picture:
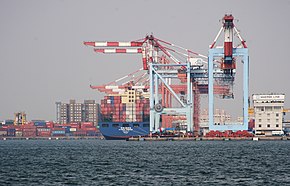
x,y
228,55
181,77
20,118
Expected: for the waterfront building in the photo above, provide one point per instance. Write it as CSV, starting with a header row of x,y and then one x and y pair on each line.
x,y
268,113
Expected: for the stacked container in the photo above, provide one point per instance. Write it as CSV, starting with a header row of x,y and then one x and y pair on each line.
x,y
3,132
88,128
11,132
58,131
39,123
116,109
43,132
28,130
46,129
49,124
18,131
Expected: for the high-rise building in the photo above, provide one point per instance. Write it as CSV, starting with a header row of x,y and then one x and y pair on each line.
x,y
77,112
91,111
268,113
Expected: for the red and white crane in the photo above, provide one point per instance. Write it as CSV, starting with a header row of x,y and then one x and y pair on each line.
x,y
154,50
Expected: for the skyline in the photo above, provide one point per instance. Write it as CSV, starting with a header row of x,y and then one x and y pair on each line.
x,y
43,59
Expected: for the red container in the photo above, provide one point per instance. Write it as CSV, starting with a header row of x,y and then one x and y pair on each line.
x,y
44,133
28,133
50,125
80,133
58,129
28,126
18,129
87,124
58,125
74,125
90,129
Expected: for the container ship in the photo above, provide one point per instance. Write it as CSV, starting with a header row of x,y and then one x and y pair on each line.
x,y
125,115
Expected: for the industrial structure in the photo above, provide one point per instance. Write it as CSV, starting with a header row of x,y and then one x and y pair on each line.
x,y
165,96
177,77
268,111
19,118
73,112
228,56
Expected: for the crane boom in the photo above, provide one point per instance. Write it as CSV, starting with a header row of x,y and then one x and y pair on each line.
x,y
113,44
118,50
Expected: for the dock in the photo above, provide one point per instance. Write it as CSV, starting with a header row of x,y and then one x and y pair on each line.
x,y
260,138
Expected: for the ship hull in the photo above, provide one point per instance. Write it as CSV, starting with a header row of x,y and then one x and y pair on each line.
x,y
123,130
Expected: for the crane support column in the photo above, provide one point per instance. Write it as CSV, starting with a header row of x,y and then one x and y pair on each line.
x,y
152,115
159,76
189,114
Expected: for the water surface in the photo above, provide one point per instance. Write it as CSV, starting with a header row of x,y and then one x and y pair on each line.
x,y
100,162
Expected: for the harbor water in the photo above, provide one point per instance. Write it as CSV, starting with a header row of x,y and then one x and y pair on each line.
x,y
101,162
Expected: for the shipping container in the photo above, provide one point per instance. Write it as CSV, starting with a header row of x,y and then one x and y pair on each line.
x,y
18,133
29,133
39,123
43,129
58,132
28,126
67,129
44,133
91,133
80,133
50,124
3,132
87,124
4,126
11,132
73,129
8,122
89,129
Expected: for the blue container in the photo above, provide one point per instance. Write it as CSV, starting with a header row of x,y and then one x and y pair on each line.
x,y
39,123
67,129
91,133
58,132
9,122
10,132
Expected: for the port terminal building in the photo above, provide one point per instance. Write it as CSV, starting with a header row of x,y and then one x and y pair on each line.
x,y
268,113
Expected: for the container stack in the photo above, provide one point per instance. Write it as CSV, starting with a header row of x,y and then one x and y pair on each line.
x,y
3,132
28,130
44,132
88,128
58,131
142,110
117,109
229,133
47,129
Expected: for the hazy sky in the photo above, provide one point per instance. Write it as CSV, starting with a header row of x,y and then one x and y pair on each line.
x,y
43,59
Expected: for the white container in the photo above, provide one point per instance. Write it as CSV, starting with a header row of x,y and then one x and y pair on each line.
x,y
255,139
73,129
